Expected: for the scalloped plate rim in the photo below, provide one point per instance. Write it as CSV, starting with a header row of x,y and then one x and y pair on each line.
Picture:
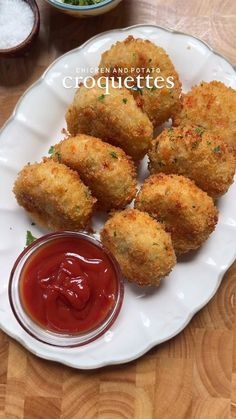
x,y
221,272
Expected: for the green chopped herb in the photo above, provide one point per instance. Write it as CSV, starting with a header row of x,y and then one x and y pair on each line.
x,y
155,244
199,130
217,149
51,150
114,155
195,144
102,97
208,142
103,84
82,2
78,208
58,156
29,238
114,233
125,100
170,130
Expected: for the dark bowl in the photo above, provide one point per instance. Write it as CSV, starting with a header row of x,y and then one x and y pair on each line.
x,y
25,45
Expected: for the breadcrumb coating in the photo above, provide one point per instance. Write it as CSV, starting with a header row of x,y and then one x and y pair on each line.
x,y
114,117
106,170
211,106
197,154
159,104
186,212
141,246
54,196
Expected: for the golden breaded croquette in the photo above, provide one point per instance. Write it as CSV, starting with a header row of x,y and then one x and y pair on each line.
x,y
211,106
197,154
114,117
141,246
105,169
138,54
187,213
54,196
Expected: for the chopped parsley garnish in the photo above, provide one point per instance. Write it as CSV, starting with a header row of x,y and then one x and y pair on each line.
x,y
195,144
114,233
29,238
155,244
199,130
102,97
82,2
51,150
114,155
58,155
217,149
125,100
208,142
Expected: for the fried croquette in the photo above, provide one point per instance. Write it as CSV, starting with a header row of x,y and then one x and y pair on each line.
x,y
197,154
54,196
141,246
142,58
211,106
106,170
187,213
114,117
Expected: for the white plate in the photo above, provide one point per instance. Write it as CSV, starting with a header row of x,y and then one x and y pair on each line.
x,y
148,316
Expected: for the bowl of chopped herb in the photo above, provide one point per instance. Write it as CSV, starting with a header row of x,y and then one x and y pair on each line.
x,y
84,8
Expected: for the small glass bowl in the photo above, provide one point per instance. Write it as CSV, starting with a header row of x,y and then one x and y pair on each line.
x,y
47,336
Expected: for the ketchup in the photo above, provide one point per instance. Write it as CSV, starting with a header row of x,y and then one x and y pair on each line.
x,y
68,285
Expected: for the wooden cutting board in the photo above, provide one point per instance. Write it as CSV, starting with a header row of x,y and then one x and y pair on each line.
x,y
194,374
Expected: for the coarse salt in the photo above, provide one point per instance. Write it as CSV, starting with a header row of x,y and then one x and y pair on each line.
x,y
16,22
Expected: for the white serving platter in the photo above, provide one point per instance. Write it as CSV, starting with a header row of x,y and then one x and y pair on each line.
x,y
148,317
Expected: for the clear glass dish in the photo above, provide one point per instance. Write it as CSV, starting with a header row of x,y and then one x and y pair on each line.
x,y
47,336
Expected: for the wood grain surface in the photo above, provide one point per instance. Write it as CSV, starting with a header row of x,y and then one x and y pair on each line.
x,y
194,374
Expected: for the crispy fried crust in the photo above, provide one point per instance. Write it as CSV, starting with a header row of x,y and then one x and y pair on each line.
x,y
212,106
197,154
186,212
54,196
159,104
141,246
115,118
106,170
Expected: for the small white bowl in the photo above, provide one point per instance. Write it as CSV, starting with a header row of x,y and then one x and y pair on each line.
x,y
85,11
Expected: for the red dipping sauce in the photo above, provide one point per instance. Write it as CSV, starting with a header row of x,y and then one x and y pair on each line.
x,y
68,285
